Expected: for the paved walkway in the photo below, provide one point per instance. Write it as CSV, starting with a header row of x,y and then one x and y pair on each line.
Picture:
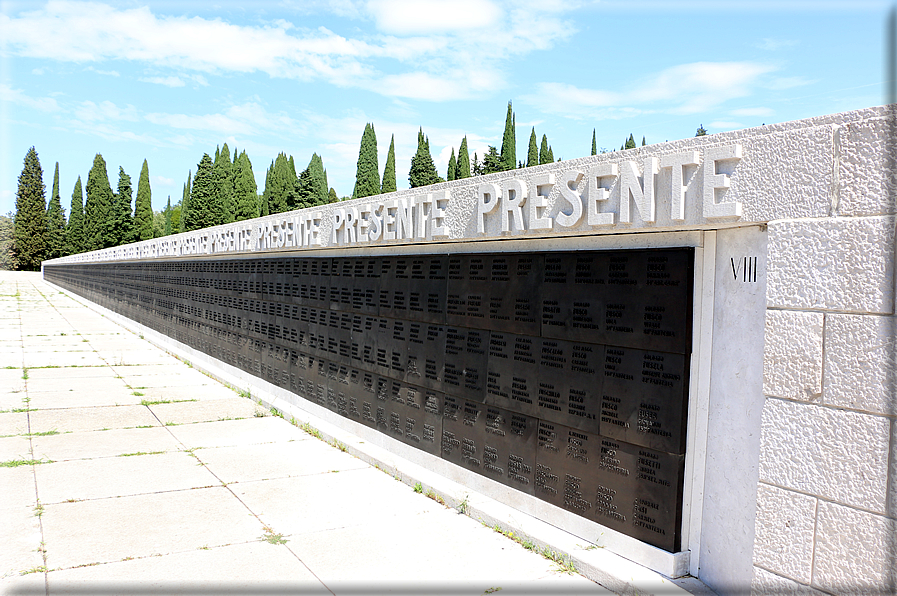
x,y
123,470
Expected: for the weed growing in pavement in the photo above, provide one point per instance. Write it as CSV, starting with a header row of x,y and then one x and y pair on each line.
x,y
39,510
140,453
15,463
492,591
311,430
277,413
41,569
46,433
137,393
272,538
156,402
418,488
435,497
464,505
25,373
261,414
341,446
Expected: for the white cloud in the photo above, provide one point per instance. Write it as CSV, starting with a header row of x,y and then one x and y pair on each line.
x,y
18,97
37,71
726,125
753,112
683,89
108,73
163,181
776,44
167,81
432,16
456,48
782,83
89,111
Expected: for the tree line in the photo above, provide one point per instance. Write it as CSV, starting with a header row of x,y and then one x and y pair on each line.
x,y
223,190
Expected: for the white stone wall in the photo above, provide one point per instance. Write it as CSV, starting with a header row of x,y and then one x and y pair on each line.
x,y
824,445
827,497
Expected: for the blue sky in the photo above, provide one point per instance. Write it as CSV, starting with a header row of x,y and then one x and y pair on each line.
x,y
168,81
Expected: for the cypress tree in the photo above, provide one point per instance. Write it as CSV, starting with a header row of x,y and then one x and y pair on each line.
x,y
332,197
701,131
389,170
532,154
451,174
143,207
550,155
55,221
545,152
185,203
246,198
475,167
318,176
74,231
122,228
423,170
509,142
463,168
643,142
492,161
280,185
594,146
30,225
204,209
224,184
167,230
367,175
98,207
630,143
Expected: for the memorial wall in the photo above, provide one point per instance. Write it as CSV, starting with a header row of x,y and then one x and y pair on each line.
x,y
629,345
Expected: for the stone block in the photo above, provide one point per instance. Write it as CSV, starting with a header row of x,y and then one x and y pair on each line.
x,y
861,362
854,551
835,454
784,532
868,178
792,357
765,583
841,264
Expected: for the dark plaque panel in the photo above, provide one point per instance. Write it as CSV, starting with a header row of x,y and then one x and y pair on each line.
x,y
492,441
634,490
561,374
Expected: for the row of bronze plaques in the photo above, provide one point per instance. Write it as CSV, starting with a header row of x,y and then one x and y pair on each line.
x,y
632,298
588,413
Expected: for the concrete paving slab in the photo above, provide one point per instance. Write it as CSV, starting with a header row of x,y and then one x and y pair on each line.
x,y
15,448
13,423
256,567
86,397
123,356
249,431
175,368
70,372
84,479
11,359
38,359
21,533
64,383
17,489
81,419
214,392
145,525
307,504
12,400
209,410
276,460
396,552
103,443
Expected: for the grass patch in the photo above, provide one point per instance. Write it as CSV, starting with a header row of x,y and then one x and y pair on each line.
x,y
41,569
46,433
305,426
341,446
26,409
278,413
15,463
435,497
271,538
140,453
156,402
137,393
170,423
